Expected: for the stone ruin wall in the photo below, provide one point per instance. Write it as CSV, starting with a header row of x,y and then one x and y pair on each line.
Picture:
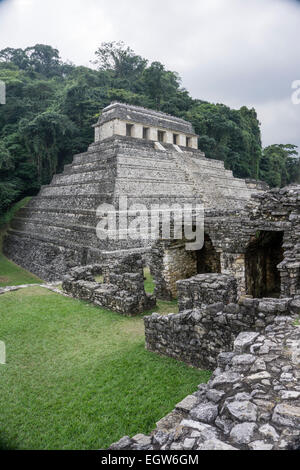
x,y
122,289
251,402
209,320
231,235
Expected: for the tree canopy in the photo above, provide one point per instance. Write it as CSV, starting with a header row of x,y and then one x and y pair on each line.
x,y
51,106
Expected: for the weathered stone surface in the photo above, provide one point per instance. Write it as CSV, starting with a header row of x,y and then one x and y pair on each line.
x,y
142,440
203,428
260,376
188,444
289,395
206,289
243,410
243,360
206,412
170,421
215,444
160,438
243,433
122,444
269,432
287,415
187,403
260,445
227,378
215,395
243,341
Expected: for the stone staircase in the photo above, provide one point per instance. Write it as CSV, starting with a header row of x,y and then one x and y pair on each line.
x,y
57,229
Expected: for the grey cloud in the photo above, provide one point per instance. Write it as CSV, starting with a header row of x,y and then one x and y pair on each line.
x,y
232,51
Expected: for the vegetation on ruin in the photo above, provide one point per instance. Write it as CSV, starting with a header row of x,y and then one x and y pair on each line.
x,y
78,377
51,106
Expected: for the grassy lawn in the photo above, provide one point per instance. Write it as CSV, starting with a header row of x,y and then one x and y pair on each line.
x,y
78,377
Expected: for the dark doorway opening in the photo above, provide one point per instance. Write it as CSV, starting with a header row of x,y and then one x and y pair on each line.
x,y
161,136
129,128
208,259
146,133
263,255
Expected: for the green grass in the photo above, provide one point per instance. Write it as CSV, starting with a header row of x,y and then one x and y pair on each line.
x,y
149,283
78,377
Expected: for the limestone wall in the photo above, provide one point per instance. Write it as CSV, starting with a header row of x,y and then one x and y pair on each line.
x,y
252,401
122,289
206,289
117,127
274,214
197,336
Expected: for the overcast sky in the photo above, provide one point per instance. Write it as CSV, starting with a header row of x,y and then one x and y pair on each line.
x,y
237,52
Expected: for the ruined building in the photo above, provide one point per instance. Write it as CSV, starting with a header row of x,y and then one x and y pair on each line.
x,y
147,156
152,158
238,294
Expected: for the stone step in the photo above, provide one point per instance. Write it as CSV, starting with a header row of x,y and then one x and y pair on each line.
x,y
92,188
144,187
83,178
62,238
85,201
92,166
122,170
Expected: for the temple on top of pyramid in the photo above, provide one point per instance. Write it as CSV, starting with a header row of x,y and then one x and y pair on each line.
x,y
134,121
149,158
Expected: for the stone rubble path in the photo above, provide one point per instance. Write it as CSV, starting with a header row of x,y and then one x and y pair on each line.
x,y
50,286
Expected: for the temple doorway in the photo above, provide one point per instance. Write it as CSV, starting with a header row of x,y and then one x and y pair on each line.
x,y
208,259
262,257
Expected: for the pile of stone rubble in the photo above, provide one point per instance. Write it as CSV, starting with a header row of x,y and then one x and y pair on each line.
x,y
252,401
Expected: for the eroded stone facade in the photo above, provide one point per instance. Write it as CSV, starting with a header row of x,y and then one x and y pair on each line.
x,y
258,245
133,121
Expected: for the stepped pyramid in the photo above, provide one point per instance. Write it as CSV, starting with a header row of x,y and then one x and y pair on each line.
x,y
147,156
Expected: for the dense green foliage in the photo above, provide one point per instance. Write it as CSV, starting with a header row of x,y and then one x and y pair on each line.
x,y
279,165
51,106
79,377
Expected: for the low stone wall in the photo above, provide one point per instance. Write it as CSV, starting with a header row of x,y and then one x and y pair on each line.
x,y
122,289
205,289
252,401
198,336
